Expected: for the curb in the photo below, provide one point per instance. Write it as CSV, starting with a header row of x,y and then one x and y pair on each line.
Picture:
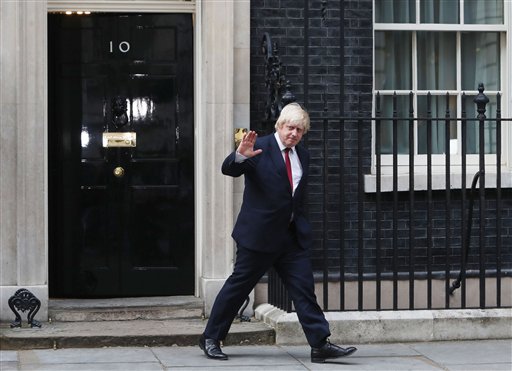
x,y
395,326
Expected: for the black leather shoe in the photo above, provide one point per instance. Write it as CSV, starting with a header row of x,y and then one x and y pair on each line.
x,y
329,351
211,348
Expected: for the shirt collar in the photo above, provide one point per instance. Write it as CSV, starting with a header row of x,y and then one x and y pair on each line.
x,y
281,145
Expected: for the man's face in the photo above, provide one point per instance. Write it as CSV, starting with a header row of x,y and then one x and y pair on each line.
x,y
290,134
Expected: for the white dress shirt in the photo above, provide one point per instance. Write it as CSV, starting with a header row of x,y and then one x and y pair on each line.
x,y
294,160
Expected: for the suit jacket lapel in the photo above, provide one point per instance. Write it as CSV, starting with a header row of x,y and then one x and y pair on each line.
x,y
304,162
277,158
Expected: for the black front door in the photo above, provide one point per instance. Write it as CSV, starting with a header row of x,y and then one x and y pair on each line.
x,y
121,155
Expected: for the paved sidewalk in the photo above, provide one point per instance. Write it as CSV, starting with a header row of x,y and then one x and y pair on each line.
x,y
488,355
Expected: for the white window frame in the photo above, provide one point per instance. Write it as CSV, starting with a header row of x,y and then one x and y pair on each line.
x,y
438,160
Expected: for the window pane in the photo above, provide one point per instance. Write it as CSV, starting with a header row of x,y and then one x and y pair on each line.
x,y
386,128
480,60
483,11
473,127
437,60
438,132
393,66
395,11
439,11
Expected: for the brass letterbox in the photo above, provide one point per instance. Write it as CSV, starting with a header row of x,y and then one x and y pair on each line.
x,y
119,139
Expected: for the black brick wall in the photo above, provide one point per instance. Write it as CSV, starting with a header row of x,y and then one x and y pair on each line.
x,y
323,58
326,52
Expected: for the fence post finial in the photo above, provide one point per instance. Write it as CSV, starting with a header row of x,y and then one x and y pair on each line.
x,y
481,100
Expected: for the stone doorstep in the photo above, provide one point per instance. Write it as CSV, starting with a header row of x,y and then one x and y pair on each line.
x,y
395,326
177,332
122,309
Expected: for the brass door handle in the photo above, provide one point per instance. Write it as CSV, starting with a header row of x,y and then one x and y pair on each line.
x,y
119,172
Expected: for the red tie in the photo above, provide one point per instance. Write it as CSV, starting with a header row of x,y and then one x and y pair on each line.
x,y
288,165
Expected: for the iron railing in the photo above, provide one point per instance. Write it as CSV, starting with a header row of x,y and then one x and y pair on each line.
x,y
405,245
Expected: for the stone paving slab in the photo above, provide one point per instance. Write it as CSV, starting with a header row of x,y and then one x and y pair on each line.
x,y
9,366
239,356
472,353
481,367
86,356
374,357
482,355
366,350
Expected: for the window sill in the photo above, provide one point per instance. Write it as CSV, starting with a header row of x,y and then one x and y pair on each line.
x,y
438,181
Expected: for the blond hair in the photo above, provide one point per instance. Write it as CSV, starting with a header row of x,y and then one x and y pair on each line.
x,y
293,113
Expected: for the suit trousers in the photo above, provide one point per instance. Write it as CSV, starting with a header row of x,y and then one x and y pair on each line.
x,y
293,265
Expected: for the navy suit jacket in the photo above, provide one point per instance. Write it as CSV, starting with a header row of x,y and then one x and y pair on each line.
x,y
267,206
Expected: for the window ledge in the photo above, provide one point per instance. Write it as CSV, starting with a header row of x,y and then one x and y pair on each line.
x,y
438,181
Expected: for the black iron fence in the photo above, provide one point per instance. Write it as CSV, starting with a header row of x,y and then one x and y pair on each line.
x,y
400,229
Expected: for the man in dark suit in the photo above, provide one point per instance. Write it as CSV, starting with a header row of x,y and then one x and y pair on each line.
x,y
272,230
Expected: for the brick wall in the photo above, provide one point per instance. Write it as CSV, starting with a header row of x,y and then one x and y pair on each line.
x,y
326,51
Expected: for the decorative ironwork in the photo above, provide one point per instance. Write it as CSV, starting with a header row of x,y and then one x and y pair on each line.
x,y
408,235
119,116
24,300
324,11
241,315
481,101
467,238
278,88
